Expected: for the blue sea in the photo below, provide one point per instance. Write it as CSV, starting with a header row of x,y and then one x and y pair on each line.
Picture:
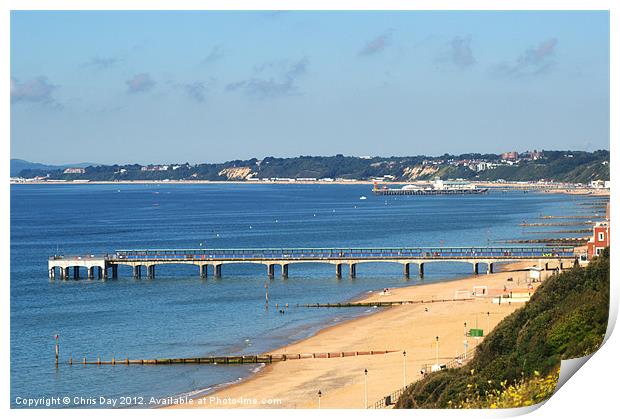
x,y
179,315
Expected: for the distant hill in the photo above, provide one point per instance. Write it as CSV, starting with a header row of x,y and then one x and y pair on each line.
x,y
559,166
17,165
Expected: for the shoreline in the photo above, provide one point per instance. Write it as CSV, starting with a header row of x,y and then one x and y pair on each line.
x,y
335,376
517,186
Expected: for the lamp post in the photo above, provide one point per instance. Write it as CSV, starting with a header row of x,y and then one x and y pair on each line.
x,y
465,338
320,394
488,322
404,369
365,388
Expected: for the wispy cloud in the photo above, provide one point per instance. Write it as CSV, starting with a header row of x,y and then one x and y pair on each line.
x,y
276,79
216,54
461,54
196,91
102,63
140,83
377,45
533,61
457,53
37,90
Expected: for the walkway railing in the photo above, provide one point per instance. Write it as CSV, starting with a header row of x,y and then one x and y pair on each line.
x,y
391,399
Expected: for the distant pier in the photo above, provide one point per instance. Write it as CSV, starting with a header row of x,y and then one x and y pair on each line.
x,y
146,260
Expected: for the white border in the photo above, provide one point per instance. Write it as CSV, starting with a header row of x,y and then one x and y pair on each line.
x,y
591,393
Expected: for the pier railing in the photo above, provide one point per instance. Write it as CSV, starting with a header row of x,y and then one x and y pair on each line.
x,y
346,253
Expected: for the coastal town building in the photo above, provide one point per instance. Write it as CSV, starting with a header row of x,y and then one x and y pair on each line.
x,y
154,168
599,240
510,156
600,236
74,170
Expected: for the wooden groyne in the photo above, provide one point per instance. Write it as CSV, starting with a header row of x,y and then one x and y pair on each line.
x,y
579,223
601,204
230,359
577,217
573,241
579,231
383,303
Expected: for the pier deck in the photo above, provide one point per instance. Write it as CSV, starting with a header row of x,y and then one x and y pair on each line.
x,y
104,266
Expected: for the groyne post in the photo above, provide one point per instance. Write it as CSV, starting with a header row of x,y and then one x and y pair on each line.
x,y
57,350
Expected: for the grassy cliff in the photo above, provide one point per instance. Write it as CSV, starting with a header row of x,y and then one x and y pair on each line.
x,y
565,318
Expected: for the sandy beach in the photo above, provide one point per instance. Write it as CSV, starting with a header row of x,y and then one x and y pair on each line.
x,y
412,328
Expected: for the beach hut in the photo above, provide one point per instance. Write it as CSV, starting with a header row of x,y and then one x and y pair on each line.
x,y
535,273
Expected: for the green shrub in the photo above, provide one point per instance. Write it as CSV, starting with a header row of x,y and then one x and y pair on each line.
x,y
565,318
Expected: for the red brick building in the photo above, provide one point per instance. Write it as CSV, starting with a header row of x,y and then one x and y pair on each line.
x,y
600,239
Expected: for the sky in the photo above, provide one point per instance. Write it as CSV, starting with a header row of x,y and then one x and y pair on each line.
x,y
199,86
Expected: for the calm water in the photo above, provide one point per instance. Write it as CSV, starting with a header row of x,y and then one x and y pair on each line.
x,y
177,314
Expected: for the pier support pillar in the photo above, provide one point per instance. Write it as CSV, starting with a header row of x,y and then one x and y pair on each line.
x,y
114,271
352,270
285,271
204,271
105,272
475,265
91,272
76,272
406,270
99,270
150,271
65,273
137,272
339,270
52,273
270,270
421,270
217,271
489,268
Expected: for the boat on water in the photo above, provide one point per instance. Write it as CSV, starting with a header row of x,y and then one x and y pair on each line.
x,y
437,187
362,197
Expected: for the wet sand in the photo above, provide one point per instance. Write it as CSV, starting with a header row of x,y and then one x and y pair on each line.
x,y
412,328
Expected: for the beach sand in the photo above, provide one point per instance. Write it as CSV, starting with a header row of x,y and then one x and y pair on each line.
x,y
411,328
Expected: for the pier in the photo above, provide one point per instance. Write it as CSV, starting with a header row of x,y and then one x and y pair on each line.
x,y
146,260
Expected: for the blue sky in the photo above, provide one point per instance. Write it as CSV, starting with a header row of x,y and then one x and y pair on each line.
x,y
156,87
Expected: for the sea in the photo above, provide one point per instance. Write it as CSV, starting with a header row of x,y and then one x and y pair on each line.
x,y
177,314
